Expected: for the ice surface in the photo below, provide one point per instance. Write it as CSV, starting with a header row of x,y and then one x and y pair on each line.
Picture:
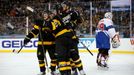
x,y
27,64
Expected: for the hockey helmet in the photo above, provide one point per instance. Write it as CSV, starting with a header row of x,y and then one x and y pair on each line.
x,y
65,5
108,15
58,7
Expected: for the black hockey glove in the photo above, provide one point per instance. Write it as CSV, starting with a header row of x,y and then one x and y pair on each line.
x,y
76,39
26,40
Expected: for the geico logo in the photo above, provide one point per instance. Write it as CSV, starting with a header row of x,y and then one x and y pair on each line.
x,y
18,44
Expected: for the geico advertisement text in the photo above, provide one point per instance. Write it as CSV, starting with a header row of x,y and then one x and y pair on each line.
x,y
17,43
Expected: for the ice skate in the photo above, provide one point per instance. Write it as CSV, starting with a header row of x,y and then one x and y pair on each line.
x,y
42,73
55,73
82,72
103,65
74,72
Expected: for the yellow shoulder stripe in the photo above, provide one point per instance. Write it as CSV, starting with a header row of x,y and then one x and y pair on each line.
x,y
36,26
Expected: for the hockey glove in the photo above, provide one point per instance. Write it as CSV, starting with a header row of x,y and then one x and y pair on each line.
x,y
76,39
26,40
115,41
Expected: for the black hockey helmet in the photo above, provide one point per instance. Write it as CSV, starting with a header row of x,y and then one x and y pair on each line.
x,y
58,8
65,5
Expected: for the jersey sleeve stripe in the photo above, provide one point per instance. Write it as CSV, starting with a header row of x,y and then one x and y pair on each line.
x,y
109,27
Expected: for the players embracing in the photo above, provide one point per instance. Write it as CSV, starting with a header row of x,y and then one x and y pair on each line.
x,y
61,25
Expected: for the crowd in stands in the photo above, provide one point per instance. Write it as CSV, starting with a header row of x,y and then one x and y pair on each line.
x,y
13,15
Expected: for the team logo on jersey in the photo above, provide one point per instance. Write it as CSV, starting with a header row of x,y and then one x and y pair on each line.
x,y
66,19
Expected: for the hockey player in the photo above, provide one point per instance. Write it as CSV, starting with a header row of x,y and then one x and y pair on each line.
x,y
63,49
62,34
45,43
105,31
71,19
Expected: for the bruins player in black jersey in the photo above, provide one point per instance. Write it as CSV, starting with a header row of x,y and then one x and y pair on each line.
x,y
45,40
71,19
66,45
63,40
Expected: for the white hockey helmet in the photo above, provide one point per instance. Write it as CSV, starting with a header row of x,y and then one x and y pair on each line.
x,y
108,15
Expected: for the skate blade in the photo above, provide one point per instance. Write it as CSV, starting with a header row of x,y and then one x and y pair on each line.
x,y
103,68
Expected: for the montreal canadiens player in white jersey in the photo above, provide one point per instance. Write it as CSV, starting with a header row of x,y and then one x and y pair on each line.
x,y
105,30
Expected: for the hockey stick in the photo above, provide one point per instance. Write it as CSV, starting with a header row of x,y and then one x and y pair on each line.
x,y
87,48
15,51
43,50
45,58
18,51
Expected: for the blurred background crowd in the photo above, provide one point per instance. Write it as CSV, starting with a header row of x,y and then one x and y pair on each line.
x,y
13,15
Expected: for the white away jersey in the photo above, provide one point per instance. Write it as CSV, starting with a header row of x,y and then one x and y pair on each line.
x,y
106,25
104,32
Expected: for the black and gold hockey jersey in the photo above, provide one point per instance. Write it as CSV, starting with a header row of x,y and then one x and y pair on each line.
x,y
58,27
71,19
46,29
42,31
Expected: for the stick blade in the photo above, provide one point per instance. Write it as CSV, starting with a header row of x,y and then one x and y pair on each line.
x,y
15,51
29,8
